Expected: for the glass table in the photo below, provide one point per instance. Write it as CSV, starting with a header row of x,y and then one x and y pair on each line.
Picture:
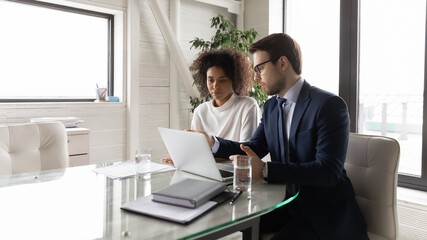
x,y
76,203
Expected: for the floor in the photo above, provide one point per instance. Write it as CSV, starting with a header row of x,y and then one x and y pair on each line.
x,y
412,214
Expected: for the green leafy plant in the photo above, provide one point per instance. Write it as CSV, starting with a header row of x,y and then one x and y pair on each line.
x,y
228,36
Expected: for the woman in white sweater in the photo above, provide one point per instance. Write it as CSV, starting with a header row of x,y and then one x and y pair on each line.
x,y
225,75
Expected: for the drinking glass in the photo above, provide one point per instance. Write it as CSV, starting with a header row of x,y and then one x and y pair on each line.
x,y
242,179
143,162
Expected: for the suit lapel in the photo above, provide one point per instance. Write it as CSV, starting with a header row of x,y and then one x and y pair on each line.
x,y
300,107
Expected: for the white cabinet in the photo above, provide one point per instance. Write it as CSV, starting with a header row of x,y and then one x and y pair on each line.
x,y
78,146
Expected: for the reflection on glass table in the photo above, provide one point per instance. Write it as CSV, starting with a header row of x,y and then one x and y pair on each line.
x,y
76,203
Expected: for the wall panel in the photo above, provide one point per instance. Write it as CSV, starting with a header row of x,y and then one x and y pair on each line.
x,y
256,17
153,116
154,81
107,122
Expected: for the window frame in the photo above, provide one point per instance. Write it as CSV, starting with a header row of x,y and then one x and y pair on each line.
x,y
349,81
110,63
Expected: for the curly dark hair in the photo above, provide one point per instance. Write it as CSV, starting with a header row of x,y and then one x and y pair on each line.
x,y
235,65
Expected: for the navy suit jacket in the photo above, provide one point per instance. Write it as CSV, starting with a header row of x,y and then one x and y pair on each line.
x,y
318,142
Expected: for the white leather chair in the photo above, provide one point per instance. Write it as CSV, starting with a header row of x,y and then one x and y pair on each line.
x,y
30,147
372,164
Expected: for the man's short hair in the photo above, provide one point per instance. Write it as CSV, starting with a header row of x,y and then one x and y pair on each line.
x,y
277,45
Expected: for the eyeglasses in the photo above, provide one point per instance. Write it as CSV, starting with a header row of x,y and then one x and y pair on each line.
x,y
256,68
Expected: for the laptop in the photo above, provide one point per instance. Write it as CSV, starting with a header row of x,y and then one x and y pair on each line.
x,y
190,152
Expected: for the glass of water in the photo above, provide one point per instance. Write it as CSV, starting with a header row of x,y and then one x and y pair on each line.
x,y
143,162
242,179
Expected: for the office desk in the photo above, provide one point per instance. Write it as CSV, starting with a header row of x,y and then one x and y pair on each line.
x,y
76,203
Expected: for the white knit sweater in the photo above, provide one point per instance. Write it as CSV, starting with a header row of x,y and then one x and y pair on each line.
x,y
235,120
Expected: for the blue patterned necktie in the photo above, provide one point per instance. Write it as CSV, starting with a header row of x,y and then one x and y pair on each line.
x,y
282,129
283,138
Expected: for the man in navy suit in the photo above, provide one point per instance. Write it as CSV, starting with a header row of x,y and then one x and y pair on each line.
x,y
306,131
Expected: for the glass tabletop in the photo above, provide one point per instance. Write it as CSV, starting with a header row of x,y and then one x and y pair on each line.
x,y
76,203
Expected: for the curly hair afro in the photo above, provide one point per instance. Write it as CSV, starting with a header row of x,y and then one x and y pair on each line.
x,y
235,65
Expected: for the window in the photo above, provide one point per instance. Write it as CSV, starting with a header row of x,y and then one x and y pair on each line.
x,y
381,59
382,76
392,47
54,53
315,26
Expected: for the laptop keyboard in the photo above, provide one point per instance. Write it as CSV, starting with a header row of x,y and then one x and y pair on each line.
x,y
225,174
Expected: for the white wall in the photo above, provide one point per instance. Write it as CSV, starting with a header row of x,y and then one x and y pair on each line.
x,y
256,16
155,67
107,122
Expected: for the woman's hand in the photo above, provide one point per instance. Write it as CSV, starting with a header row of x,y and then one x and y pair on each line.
x,y
167,160
210,138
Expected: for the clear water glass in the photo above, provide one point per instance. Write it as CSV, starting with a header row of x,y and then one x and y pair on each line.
x,y
242,179
143,163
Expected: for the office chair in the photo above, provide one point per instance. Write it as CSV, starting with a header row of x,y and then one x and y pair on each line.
x,y
372,164
30,147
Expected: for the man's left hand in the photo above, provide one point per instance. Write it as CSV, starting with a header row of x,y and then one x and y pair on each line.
x,y
257,163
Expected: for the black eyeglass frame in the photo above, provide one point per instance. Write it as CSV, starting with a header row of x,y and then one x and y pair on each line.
x,y
256,68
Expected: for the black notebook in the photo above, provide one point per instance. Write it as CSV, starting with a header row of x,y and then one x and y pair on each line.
x,y
189,192
146,206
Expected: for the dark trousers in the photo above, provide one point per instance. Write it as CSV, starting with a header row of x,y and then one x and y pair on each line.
x,y
287,223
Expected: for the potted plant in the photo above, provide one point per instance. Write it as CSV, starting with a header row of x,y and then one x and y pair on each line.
x,y
227,35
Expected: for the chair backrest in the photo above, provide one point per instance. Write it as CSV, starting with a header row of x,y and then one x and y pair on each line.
x,y
372,164
30,147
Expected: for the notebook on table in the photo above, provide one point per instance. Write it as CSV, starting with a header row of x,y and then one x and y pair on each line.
x,y
146,206
190,193
190,152
183,201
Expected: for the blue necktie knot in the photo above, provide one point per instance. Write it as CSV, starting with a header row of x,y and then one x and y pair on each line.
x,y
280,101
